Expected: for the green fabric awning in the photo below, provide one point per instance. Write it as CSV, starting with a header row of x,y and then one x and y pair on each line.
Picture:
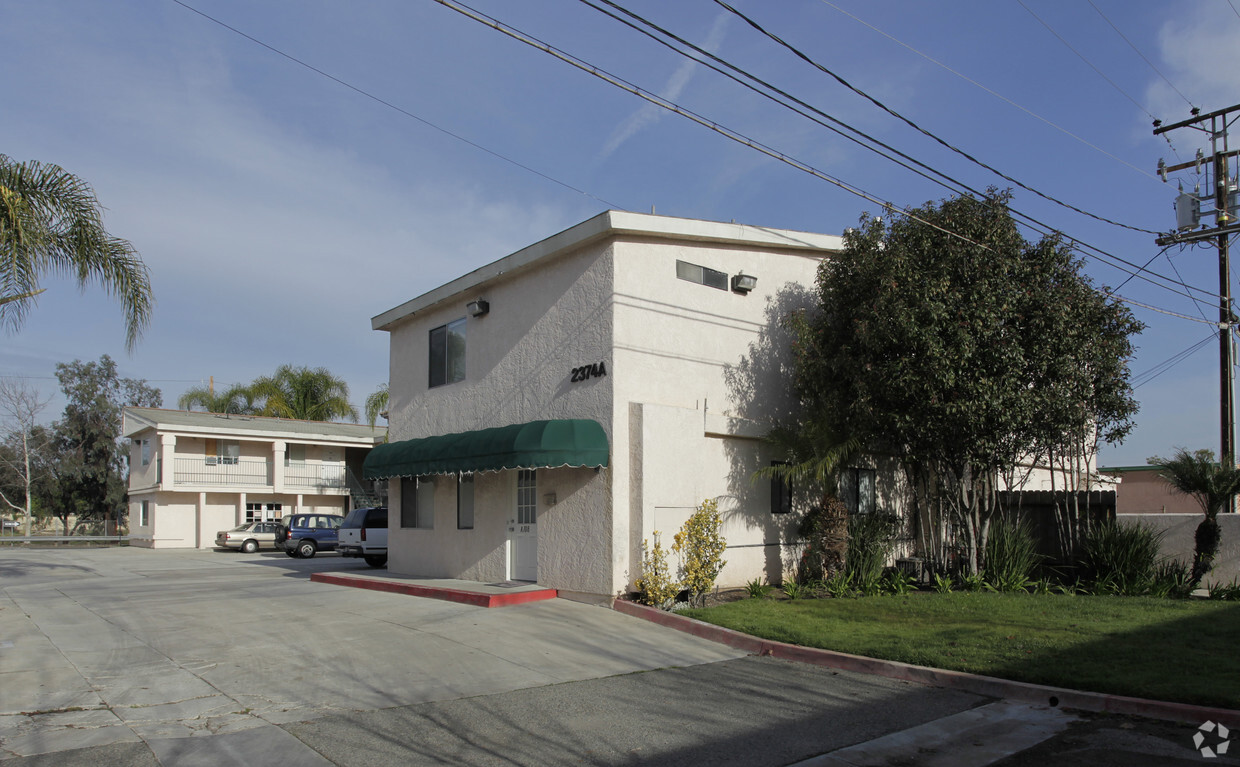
x,y
534,445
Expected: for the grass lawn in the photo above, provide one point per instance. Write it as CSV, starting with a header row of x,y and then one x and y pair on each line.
x,y
1165,649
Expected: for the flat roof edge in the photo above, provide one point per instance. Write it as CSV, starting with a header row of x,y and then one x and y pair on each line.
x,y
614,223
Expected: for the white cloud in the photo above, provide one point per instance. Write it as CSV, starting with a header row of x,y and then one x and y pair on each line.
x,y
1198,46
649,114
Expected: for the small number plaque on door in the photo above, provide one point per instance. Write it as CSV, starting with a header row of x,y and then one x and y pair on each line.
x,y
524,529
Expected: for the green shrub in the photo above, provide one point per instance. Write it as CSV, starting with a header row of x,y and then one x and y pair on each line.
x,y
942,583
1120,559
1228,592
838,586
1040,586
871,540
793,590
1172,578
758,588
1011,555
973,581
898,582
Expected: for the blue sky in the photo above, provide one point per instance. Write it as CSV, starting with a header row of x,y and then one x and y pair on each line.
x,y
279,210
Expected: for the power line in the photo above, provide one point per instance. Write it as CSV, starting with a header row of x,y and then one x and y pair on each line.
x,y
396,108
997,95
801,55
1112,260
1160,311
671,106
1139,53
1147,376
1087,61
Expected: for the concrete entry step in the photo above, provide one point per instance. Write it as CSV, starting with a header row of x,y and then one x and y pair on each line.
x,y
501,594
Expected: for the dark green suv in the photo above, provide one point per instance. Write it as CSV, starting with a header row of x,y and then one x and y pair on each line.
x,y
307,534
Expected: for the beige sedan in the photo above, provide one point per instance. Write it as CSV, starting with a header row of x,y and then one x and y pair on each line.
x,y
250,537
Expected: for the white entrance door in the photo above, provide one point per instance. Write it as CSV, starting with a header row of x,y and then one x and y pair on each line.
x,y
523,530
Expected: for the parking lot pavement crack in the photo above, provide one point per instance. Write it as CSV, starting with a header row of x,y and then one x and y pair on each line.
x,y
185,714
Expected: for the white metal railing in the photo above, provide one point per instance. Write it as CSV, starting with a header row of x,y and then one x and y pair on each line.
x,y
210,470
314,475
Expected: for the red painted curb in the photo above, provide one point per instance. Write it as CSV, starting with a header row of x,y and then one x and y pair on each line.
x,y
936,677
474,598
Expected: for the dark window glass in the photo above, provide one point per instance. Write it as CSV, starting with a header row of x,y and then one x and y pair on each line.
x,y
447,354
702,275
781,492
465,502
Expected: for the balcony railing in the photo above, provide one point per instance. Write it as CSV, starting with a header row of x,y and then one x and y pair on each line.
x,y
257,472
314,475
210,470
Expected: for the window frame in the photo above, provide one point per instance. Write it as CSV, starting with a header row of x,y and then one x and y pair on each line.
x,y
445,361
852,487
464,501
412,500
702,275
527,497
781,492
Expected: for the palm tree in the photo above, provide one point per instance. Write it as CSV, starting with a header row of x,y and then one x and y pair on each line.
x,y
815,454
1213,485
51,222
377,405
237,400
304,394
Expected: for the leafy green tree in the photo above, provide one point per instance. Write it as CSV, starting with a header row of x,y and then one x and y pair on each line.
x,y
51,223
87,478
304,394
238,399
1213,485
945,340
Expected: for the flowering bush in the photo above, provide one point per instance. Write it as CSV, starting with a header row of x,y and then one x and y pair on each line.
x,y
655,585
701,546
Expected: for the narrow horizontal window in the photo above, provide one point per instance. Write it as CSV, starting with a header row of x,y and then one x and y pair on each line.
x,y
702,275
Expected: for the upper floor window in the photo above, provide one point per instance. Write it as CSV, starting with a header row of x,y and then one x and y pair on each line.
x,y
447,355
702,275
223,452
146,452
294,454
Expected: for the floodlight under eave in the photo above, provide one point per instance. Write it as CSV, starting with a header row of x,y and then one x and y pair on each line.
x,y
478,308
743,283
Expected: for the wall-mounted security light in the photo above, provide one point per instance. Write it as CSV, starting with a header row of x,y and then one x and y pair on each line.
x,y
478,308
743,283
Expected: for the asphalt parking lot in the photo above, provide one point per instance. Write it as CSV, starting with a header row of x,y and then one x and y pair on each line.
x,y
137,657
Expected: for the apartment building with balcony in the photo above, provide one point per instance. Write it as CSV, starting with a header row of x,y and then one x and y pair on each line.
x,y
192,474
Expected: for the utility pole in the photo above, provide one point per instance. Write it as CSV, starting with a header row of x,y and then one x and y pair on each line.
x,y
1190,229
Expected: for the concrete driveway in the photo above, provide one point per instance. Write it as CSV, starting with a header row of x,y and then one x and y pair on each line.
x,y
137,657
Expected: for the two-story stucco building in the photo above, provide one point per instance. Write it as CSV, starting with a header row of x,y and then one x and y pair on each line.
x,y
192,474
552,410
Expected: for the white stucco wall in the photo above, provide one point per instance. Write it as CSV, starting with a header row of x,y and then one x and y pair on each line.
x,y
691,359
698,352
519,357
